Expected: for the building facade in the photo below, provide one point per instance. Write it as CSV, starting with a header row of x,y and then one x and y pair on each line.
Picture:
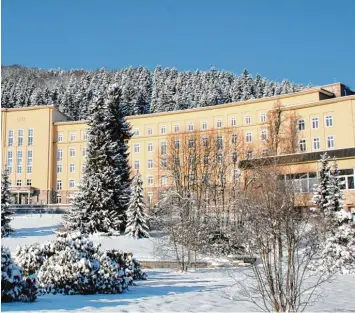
x,y
44,151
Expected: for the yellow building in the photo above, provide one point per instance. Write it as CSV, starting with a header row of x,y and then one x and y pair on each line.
x,y
45,151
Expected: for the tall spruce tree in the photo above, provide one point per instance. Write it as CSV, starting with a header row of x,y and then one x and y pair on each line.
x,y
103,196
5,201
136,218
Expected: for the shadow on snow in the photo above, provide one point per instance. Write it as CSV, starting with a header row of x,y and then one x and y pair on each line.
x,y
39,231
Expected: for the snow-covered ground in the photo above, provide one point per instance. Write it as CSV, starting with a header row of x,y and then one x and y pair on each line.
x,y
164,291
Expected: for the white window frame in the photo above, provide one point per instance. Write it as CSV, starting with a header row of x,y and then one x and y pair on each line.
x,y
247,119
71,168
316,143
59,168
149,131
219,142
163,130
29,161
263,135
72,152
71,183
234,139
150,196
136,148
248,137
204,125
233,121
163,163
10,156
60,138
150,164
300,122
302,143
315,122
19,161
331,140
18,182
136,164
20,137
59,184
85,137
150,180
30,136
28,182
262,117
163,148
164,180
72,136
327,119
176,128
190,127
60,155
10,139
136,132
219,124
150,147
83,151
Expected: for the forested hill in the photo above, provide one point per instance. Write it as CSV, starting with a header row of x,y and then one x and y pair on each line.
x,y
143,91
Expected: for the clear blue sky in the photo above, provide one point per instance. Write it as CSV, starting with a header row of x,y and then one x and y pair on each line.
x,y
302,40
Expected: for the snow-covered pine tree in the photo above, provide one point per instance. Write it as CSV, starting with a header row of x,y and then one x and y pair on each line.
x,y
102,199
335,196
321,191
5,201
136,217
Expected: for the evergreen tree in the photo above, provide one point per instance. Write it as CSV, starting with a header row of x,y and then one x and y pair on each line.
x,y
103,195
335,198
5,201
136,218
321,191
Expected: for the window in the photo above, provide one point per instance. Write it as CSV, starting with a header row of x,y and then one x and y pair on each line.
x,y
71,183
150,147
59,184
235,174
72,137
150,163
136,164
347,177
301,125
19,182
234,138
150,180
85,136
163,130
163,148
177,161
219,142
20,137
177,144
329,121
205,160
9,161
191,143
60,155
235,157
205,141
163,180
190,127
204,125
84,151
176,128
150,197
30,137
19,162
315,122
219,158
163,163
72,152
10,142
29,161
149,131
262,117
263,134
28,182
59,168
233,121
72,168
60,137
330,142
316,143
219,123
249,155
303,146
136,132
248,137
248,119
59,199
136,147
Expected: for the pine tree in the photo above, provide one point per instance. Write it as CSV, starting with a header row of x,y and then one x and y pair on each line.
x,y
321,191
103,195
136,218
5,201
335,198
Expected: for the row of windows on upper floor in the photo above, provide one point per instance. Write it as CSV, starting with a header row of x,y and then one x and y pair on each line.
x,y
301,124
72,137
28,182
72,153
19,165
59,184
20,137
330,143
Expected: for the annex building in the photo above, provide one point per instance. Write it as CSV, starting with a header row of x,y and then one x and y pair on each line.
x,y
44,150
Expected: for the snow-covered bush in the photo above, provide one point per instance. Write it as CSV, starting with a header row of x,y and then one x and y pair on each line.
x,y
13,286
77,266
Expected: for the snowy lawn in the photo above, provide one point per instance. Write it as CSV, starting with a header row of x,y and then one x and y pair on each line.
x,y
164,291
